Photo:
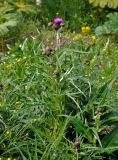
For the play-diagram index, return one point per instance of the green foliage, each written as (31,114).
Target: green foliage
(57,107)
(103,3)
(110,26)
(81,128)
(110,142)
(7,18)
(74,19)
(11,13)
(61,105)
(2,125)
(24,7)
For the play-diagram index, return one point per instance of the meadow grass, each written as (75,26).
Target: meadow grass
(57,106)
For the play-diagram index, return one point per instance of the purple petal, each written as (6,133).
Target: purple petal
(58,20)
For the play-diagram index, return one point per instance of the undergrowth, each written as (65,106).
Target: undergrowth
(61,106)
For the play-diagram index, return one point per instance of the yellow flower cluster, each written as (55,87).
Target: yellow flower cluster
(86,29)
(94,38)
(77,37)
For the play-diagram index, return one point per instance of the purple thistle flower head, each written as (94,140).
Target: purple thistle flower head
(58,20)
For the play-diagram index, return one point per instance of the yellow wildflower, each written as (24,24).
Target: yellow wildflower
(0,158)
(86,29)
(8,133)
(93,38)
(83,29)
(8,158)
(77,37)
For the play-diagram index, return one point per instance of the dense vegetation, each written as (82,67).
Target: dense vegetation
(58,103)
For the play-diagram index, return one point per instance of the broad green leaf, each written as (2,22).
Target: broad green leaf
(4,27)
(110,141)
(103,3)
(110,26)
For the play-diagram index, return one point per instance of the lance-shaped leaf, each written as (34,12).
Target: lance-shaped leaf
(110,141)
(81,128)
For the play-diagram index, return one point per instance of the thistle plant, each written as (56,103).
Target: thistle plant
(57,26)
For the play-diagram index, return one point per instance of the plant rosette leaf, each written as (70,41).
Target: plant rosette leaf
(110,141)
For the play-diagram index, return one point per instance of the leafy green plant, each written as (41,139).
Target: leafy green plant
(103,3)
(24,7)
(58,106)
(110,141)
(11,13)
(110,26)
(61,105)
(7,18)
